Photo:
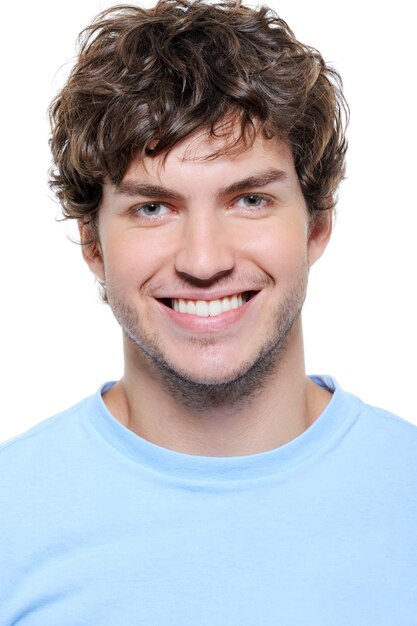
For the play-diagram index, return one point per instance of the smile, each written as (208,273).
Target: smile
(209,308)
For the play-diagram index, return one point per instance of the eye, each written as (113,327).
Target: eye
(151,210)
(253,201)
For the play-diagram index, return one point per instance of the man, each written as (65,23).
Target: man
(200,147)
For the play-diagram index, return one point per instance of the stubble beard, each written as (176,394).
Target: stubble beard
(244,383)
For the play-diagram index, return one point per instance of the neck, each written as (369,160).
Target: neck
(285,407)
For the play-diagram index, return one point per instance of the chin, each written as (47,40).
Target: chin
(200,391)
(208,371)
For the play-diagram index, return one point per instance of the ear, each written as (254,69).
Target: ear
(91,250)
(320,230)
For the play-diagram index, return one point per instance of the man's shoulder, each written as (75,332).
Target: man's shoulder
(386,421)
(368,429)
(386,441)
(373,414)
(48,435)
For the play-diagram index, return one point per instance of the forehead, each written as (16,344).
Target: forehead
(201,154)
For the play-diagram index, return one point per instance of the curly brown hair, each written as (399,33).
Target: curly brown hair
(145,79)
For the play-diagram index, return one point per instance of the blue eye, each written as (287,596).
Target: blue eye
(253,200)
(151,209)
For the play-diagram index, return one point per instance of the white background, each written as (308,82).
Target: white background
(58,343)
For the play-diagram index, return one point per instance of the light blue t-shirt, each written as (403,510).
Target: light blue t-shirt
(99,527)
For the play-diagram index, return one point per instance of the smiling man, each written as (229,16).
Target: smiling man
(200,146)
(205,265)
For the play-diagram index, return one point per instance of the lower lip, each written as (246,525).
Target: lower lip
(213,323)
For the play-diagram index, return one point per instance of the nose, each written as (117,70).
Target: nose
(205,250)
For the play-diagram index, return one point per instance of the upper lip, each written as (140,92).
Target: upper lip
(204,294)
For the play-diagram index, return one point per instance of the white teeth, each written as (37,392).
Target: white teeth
(202,308)
(190,307)
(215,307)
(208,308)
(226,304)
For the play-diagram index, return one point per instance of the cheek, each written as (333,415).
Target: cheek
(130,259)
(277,247)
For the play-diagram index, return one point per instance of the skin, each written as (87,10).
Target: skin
(211,386)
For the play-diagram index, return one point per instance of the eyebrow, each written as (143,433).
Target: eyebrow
(259,180)
(128,188)
(132,189)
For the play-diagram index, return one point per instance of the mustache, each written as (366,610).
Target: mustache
(236,281)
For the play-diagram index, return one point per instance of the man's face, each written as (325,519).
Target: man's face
(205,261)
